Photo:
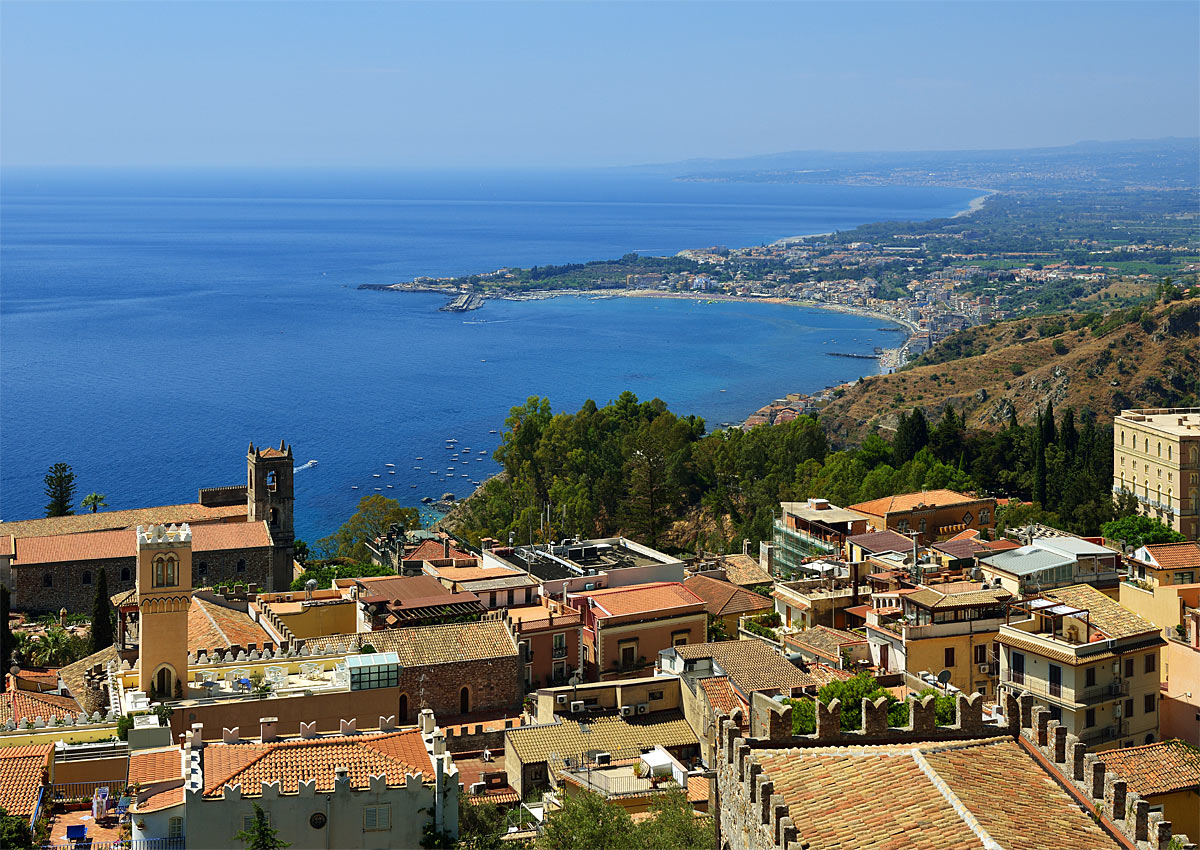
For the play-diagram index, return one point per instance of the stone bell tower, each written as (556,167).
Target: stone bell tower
(164,595)
(270,499)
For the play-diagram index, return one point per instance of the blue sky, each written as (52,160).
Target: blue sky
(563,84)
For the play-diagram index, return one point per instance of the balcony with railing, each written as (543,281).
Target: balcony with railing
(1067,697)
(558,652)
(1100,734)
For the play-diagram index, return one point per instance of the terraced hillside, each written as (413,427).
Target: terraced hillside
(1140,357)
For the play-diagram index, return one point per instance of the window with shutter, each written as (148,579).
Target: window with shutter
(377,818)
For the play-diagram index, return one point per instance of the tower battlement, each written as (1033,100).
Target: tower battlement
(161,537)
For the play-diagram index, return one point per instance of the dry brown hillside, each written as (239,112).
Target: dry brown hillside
(1129,358)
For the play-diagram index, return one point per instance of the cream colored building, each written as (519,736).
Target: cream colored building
(1093,663)
(1156,457)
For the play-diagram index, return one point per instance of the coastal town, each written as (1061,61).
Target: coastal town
(460,691)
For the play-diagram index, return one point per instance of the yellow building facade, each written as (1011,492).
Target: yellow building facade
(164,594)
(1156,457)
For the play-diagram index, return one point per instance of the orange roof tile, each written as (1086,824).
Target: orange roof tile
(908,501)
(23,771)
(219,536)
(1173,556)
(392,754)
(122,543)
(193,512)
(212,626)
(159,765)
(824,641)
(724,699)
(1156,768)
(744,570)
(882,797)
(19,706)
(641,599)
(722,598)
(162,800)
(697,789)
(271,452)
(433,550)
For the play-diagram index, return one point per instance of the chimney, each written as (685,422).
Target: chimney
(746,546)
(266,727)
(341,777)
(197,736)
(230,736)
(426,721)
(445,547)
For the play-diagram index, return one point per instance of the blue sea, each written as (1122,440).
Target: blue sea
(152,325)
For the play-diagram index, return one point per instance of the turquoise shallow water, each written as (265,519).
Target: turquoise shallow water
(153,325)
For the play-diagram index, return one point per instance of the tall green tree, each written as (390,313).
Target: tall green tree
(60,490)
(261,835)
(1137,530)
(912,435)
(94,501)
(673,824)
(374,516)
(102,612)
(587,822)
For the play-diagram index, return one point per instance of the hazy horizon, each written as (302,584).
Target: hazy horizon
(579,85)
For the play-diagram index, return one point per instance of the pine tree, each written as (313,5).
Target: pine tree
(60,490)
(912,435)
(102,629)
(260,835)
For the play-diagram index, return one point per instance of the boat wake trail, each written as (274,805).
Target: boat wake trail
(308,465)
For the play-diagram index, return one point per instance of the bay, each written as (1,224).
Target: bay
(153,324)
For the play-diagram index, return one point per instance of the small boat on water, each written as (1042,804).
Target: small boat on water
(414,486)
(389,464)
(493,431)
(377,475)
(378,489)
(451,440)
(416,467)
(391,472)
(389,486)
(353,486)
(420,458)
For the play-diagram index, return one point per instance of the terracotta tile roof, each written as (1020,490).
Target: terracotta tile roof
(968,533)
(960,549)
(404,590)
(7,545)
(157,765)
(823,674)
(908,501)
(1157,768)
(88,546)
(213,626)
(73,677)
(220,536)
(722,598)
(882,541)
(1054,653)
(271,452)
(1001,545)
(392,754)
(46,677)
(750,664)
(952,597)
(641,599)
(162,800)
(697,789)
(420,646)
(122,543)
(432,550)
(882,798)
(824,641)
(610,733)
(23,771)
(744,570)
(193,513)
(1173,556)
(724,699)
(1110,617)
(19,706)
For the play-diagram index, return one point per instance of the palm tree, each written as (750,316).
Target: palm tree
(94,501)
(57,648)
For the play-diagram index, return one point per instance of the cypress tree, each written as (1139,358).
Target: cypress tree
(1039,471)
(1068,436)
(1046,426)
(102,630)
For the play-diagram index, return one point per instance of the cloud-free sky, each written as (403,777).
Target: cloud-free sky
(458,84)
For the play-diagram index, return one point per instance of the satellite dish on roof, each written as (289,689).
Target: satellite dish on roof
(943,677)
(575,681)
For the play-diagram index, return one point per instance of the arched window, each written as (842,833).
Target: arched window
(1150,738)
(274,517)
(1160,449)
(464,701)
(271,479)
(1170,449)
(166,571)
(1122,437)
(125,574)
(47,580)
(241,565)
(202,568)
(86,578)
(402,709)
